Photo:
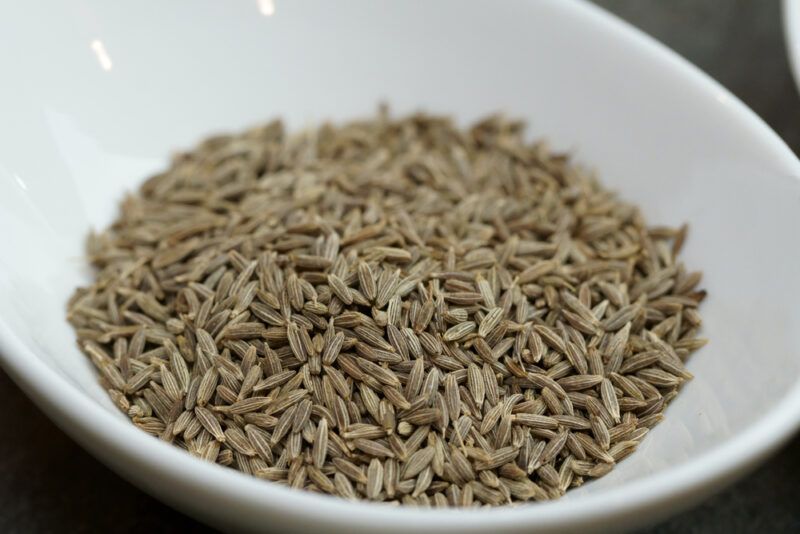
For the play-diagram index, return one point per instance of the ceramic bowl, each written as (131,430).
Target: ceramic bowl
(791,31)
(96,95)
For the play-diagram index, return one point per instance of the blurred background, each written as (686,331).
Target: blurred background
(49,484)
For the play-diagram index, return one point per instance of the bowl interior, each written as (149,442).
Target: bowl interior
(105,92)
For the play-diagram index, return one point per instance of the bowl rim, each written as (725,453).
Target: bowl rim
(790,15)
(94,426)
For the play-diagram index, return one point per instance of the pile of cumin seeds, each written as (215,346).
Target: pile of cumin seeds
(395,310)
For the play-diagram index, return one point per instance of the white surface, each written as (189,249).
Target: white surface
(791,30)
(95,94)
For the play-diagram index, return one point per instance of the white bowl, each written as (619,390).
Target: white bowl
(791,30)
(96,94)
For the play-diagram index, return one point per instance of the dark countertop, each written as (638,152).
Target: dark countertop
(49,484)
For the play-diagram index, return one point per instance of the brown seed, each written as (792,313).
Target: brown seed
(366,281)
(373,448)
(551,338)
(247,405)
(417,462)
(296,342)
(536,421)
(394,309)
(490,321)
(459,331)
(477,387)
(340,289)
(374,478)
(210,423)
(580,382)
(536,271)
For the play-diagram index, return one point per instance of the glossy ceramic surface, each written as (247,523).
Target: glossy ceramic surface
(96,94)
(791,30)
